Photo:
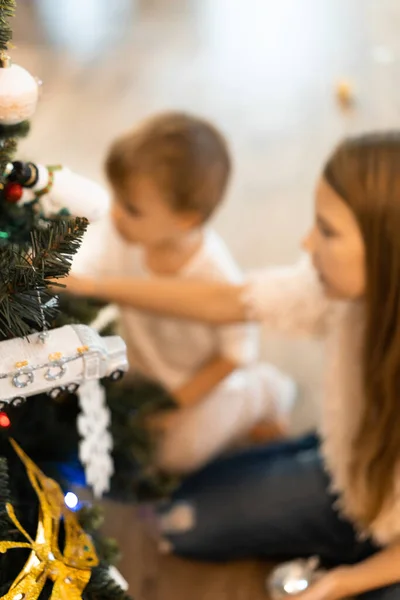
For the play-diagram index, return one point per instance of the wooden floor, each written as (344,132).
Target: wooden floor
(153,576)
(265,71)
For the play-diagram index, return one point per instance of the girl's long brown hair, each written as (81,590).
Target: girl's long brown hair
(365,172)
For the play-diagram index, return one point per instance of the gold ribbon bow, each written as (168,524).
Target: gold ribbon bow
(70,570)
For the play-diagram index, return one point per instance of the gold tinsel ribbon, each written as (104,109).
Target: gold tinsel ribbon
(70,569)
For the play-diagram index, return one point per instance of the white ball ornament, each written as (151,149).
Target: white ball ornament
(19,93)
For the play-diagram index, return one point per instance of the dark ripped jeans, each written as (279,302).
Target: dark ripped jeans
(271,502)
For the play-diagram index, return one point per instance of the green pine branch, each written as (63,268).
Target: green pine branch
(19,130)
(54,247)
(16,224)
(25,279)
(20,312)
(8,148)
(8,143)
(7,528)
(7,11)
(5,497)
(102,587)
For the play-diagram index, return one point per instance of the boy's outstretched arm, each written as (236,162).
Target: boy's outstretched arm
(286,299)
(212,302)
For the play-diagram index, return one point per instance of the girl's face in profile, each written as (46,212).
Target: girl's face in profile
(336,246)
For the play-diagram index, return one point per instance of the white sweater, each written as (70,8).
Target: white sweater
(291,300)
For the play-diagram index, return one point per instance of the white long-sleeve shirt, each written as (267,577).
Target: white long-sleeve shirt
(291,300)
(168,350)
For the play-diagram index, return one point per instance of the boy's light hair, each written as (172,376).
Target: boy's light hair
(185,156)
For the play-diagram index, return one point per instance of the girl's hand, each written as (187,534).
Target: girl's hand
(331,586)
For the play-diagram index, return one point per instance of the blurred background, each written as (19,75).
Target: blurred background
(266,71)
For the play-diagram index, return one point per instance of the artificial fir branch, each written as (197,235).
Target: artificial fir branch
(4,520)
(16,224)
(25,279)
(8,142)
(7,10)
(7,528)
(54,247)
(5,497)
(20,312)
(91,518)
(8,148)
(20,130)
(103,587)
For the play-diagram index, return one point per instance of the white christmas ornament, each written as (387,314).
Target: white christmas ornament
(67,359)
(96,443)
(19,93)
(293,578)
(60,189)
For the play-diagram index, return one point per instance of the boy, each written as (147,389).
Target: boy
(168,177)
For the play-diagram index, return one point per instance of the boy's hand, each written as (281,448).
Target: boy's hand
(79,286)
(203,381)
(159,423)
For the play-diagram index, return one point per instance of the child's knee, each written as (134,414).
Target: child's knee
(180,456)
(176,462)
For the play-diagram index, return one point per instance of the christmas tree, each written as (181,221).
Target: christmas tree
(45,549)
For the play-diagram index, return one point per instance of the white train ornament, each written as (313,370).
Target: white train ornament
(67,357)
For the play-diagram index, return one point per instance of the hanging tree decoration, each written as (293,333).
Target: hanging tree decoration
(30,194)
(19,90)
(18,95)
(34,195)
(54,191)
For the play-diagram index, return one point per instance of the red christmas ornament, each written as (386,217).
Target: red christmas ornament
(4,420)
(13,192)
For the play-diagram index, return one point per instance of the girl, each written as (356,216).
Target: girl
(337,496)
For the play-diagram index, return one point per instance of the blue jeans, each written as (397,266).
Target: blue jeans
(271,502)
